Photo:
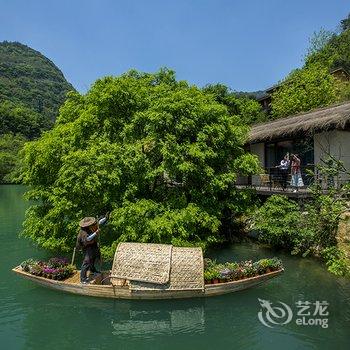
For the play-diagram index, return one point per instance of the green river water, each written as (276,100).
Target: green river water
(32,317)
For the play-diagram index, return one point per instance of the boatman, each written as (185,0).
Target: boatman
(87,241)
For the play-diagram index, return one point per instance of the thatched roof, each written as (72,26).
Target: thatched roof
(333,117)
(142,262)
(158,266)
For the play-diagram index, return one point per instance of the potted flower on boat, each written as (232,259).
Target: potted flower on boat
(233,271)
(55,268)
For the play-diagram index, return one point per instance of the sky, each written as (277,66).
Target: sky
(246,45)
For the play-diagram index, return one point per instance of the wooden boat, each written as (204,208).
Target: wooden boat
(150,271)
(107,290)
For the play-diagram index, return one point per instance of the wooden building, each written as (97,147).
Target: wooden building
(312,135)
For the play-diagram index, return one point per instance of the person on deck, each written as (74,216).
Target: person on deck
(297,180)
(87,241)
(283,167)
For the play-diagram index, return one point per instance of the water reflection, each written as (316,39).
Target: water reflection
(149,324)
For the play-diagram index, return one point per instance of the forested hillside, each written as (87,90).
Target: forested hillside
(314,85)
(32,89)
(29,78)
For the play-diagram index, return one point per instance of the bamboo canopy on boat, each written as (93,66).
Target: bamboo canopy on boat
(158,266)
(322,119)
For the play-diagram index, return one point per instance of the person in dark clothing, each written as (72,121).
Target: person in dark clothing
(87,242)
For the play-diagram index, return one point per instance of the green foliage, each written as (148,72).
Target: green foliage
(159,154)
(211,274)
(17,124)
(343,90)
(312,230)
(55,268)
(10,145)
(248,109)
(304,89)
(335,261)
(28,78)
(319,40)
(278,219)
(333,54)
(32,89)
(345,23)
(231,271)
(313,86)
(283,224)
(18,119)
(325,209)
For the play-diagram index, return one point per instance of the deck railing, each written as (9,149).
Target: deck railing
(273,178)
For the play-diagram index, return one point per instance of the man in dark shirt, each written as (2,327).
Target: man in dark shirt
(87,242)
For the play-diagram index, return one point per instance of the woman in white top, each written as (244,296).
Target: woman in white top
(284,167)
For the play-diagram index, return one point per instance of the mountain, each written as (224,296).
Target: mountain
(29,78)
(32,89)
(250,94)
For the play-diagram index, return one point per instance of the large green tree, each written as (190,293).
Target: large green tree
(161,155)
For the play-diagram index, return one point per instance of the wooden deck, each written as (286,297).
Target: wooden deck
(269,191)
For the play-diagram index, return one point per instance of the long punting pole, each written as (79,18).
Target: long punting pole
(73,256)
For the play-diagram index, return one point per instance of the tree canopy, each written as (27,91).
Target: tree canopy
(161,155)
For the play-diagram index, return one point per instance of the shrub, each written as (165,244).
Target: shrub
(313,231)
(335,261)
(278,220)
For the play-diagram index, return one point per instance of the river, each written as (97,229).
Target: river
(32,317)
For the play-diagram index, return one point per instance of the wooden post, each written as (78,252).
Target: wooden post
(73,257)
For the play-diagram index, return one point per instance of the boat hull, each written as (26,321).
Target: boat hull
(124,292)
